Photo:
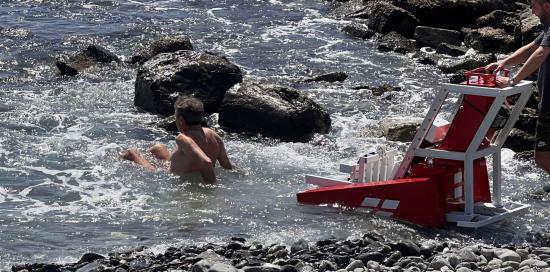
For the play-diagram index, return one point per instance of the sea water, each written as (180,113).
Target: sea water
(64,192)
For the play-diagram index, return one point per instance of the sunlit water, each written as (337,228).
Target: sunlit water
(64,192)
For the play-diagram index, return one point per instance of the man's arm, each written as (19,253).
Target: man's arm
(520,56)
(222,157)
(531,65)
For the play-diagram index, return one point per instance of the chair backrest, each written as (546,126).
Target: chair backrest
(375,167)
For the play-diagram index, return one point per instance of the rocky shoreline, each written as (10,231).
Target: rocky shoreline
(371,252)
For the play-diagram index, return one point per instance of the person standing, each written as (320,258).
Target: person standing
(534,56)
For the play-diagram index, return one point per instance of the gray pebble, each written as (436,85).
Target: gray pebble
(507,255)
(534,263)
(355,264)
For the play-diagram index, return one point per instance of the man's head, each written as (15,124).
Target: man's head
(190,110)
(541,8)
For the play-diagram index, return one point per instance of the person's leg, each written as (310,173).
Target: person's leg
(133,155)
(542,142)
(160,152)
(542,160)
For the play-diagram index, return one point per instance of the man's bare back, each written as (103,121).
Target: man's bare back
(197,148)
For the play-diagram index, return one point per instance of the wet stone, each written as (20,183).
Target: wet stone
(299,245)
(374,256)
(393,258)
(355,264)
(408,248)
(507,255)
(534,263)
(221,267)
(325,265)
(235,245)
(289,268)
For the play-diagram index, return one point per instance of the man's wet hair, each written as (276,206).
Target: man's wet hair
(190,109)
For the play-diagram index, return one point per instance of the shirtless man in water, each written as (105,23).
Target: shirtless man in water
(197,149)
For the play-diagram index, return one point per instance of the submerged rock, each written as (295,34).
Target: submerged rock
(71,65)
(329,77)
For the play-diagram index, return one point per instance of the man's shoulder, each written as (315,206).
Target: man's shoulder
(184,139)
(210,132)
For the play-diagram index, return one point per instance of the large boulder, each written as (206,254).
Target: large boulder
(272,111)
(357,30)
(490,40)
(433,37)
(452,14)
(396,42)
(164,45)
(506,20)
(386,18)
(204,75)
(72,64)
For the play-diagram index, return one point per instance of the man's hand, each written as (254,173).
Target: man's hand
(502,82)
(495,67)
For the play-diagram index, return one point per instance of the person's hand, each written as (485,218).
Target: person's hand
(502,82)
(494,67)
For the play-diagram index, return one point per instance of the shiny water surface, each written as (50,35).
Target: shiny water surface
(64,192)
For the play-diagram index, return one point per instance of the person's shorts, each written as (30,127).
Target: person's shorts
(542,134)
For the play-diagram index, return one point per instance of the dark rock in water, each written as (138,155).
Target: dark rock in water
(341,260)
(73,64)
(90,257)
(426,59)
(325,242)
(527,121)
(325,265)
(273,111)
(427,248)
(90,267)
(437,13)
(490,40)
(468,63)
(164,45)
(458,77)
(205,75)
(393,258)
(5,108)
(329,77)
(371,256)
(433,37)
(408,248)
(401,132)
(238,239)
(50,268)
(396,42)
(386,18)
(235,245)
(451,50)
(519,140)
(524,155)
(509,21)
(426,56)
(289,268)
(374,236)
(299,245)
(358,31)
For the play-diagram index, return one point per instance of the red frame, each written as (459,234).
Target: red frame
(481,77)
